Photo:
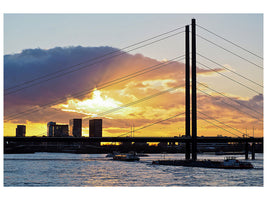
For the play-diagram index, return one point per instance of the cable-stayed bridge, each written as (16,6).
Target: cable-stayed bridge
(191,126)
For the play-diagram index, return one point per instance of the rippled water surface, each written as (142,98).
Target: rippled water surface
(61,169)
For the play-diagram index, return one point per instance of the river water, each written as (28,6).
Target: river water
(63,169)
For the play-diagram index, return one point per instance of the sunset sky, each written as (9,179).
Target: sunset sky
(42,50)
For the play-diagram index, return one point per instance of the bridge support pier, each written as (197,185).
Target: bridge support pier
(253,151)
(246,150)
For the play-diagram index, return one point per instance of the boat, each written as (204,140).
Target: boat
(126,157)
(233,163)
(227,163)
(109,155)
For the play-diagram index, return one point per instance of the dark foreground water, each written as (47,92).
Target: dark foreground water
(62,169)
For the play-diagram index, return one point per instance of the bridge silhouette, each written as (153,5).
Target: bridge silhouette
(191,139)
(135,139)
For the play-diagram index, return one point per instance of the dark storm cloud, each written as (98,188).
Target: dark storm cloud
(40,72)
(31,64)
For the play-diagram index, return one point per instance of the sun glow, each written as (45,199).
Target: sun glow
(90,107)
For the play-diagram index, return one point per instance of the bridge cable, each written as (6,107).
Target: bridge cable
(77,69)
(232,106)
(104,85)
(230,51)
(230,78)
(136,102)
(221,122)
(230,70)
(230,98)
(153,124)
(230,41)
(95,58)
(218,126)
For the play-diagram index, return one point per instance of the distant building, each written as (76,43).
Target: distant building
(50,129)
(95,128)
(20,131)
(75,127)
(60,130)
(57,130)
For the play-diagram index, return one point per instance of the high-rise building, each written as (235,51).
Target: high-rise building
(50,129)
(57,130)
(95,128)
(75,127)
(20,131)
(60,130)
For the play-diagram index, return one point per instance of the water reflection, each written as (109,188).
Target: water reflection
(59,169)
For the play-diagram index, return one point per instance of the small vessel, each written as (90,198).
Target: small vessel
(126,157)
(233,163)
(109,155)
(227,163)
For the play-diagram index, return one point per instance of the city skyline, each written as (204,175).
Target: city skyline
(50,55)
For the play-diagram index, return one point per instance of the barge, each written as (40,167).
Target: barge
(126,157)
(227,163)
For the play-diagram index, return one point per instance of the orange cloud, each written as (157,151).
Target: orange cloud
(127,88)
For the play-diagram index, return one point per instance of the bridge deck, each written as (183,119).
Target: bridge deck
(134,139)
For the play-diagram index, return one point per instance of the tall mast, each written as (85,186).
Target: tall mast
(194,93)
(187,91)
